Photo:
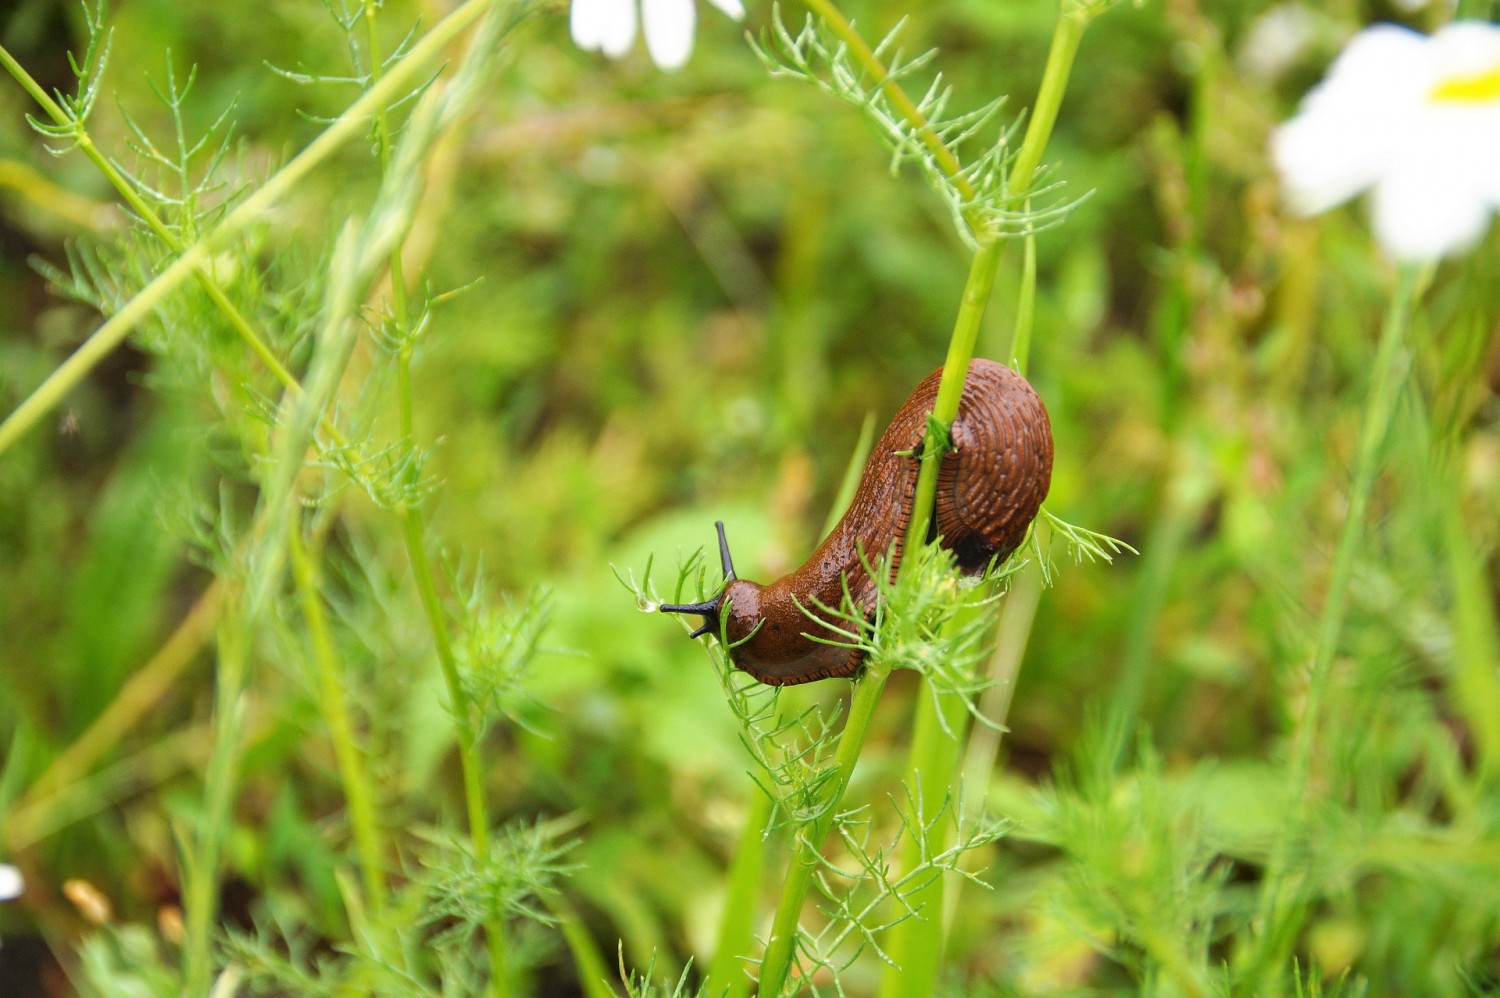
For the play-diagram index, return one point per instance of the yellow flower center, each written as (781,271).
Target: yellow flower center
(1480,88)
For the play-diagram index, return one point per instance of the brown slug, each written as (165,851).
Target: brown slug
(989,489)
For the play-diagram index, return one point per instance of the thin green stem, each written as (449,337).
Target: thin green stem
(468,740)
(201,873)
(1475,687)
(350,124)
(333,702)
(1277,921)
(1065,40)
(903,105)
(85,143)
(1188,490)
(143,692)
(1020,344)
(463,719)
(781,948)
(726,976)
(808,841)
(950,389)
(415,524)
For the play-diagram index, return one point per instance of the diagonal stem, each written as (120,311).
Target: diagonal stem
(353,122)
(85,143)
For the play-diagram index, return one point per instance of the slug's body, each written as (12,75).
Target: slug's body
(990,487)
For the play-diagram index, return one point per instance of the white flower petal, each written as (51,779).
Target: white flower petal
(606,26)
(668,26)
(1421,216)
(1352,122)
(11,884)
(584,24)
(1466,48)
(733,8)
(1325,161)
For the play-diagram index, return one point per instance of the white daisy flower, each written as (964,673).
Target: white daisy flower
(608,26)
(11,883)
(1413,119)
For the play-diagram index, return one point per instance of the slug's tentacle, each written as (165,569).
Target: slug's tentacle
(708,609)
(724,560)
(990,487)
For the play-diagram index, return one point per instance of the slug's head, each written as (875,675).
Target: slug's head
(743,598)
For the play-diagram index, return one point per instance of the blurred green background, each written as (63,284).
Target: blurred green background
(691,290)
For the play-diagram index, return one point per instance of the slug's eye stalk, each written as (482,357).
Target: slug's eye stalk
(709,609)
(724,562)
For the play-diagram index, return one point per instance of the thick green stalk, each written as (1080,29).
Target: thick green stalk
(933,767)
(1278,921)
(916,944)
(353,122)
(333,702)
(726,974)
(781,948)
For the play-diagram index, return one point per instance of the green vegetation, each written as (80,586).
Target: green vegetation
(358,352)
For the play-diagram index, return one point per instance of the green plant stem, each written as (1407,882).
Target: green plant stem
(140,694)
(780,950)
(1278,921)
(903,105)
(1020,344)
(75,210)
(808,840)
(333,702)
(971,308)
(352,123)
(468,747)
(202,857)
(933,766)
(917,943)
(416,548)
(726,975)
(1188,491)
(1475,687)
(593,972)
(1066,37)
(85,143)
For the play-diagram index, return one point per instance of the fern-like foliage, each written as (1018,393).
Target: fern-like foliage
(921,131)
